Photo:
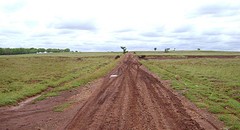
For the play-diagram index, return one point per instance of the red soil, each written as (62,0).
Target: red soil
(135,99)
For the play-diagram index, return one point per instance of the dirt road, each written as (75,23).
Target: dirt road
(129,97)
(134,99)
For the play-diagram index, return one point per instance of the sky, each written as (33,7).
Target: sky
(105,25)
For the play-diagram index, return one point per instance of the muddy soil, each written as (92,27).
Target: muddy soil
(129,97)
(41,115)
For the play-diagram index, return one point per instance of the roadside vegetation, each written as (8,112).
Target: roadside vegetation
(24,76)
(212,84)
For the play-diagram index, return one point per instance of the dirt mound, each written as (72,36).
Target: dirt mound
(129,97)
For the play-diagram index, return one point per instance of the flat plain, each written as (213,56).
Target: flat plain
(75,90)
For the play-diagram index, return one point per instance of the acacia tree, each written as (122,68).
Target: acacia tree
(155,49)
(124,49)
(166,50)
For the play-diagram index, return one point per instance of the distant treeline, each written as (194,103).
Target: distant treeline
(15,51)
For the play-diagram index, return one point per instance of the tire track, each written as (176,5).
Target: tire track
(135,99)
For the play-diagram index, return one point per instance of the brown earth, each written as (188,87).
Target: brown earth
(129,97)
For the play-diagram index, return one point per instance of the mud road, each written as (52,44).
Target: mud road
(128,98)
(135,99)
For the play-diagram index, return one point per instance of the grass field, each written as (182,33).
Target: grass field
(212,84)
(23,76)
(182,53)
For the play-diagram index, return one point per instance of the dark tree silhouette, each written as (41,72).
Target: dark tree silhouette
(166,50)
(124,49)
(15,51)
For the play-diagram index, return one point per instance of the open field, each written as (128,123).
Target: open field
(68,54)
(128,97)
(23,76)
(211,83)
(186,53)
(134,99)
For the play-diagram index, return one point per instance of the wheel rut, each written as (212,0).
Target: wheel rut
(135,99)
(128,98)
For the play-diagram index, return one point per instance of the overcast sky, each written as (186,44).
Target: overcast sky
(105,25)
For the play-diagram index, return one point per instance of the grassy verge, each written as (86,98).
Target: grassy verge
(93,72)
(212,84)
(27,75)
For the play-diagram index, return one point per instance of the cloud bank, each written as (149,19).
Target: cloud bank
(106,25)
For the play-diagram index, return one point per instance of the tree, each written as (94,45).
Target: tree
(67,50)
(155,49)
(41,49)
(198,49)
(166,50)
(15,51)
(124,49)
(49,50)
(1,51)
(32,50)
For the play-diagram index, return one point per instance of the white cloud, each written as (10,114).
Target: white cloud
(106,25)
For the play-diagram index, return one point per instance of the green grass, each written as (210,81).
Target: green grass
(68,54)
(182,53)
(24,76)
(46,95)
(212,84)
